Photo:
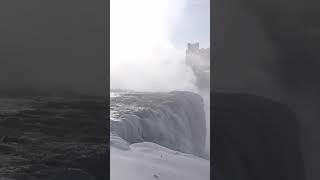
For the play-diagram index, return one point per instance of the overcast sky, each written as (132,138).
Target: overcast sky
(194,24)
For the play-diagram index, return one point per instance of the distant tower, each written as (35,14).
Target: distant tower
(193,47)
(192,53)
(199,61)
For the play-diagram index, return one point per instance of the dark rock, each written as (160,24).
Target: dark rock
(156,176)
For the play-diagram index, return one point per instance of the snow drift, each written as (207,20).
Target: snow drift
(147,161)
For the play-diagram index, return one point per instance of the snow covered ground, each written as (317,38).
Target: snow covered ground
(146,161)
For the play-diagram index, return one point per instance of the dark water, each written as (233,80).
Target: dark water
(52,137)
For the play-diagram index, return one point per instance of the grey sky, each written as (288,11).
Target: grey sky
(194,24)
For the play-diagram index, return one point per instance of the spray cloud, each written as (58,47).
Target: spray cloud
(142,55)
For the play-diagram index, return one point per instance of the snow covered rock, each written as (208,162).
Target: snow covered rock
(175,120)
